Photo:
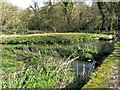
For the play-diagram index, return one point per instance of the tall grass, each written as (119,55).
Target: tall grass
(49,74)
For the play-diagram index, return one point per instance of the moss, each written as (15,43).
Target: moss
(101,78)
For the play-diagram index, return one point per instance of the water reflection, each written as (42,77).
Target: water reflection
(99,45)
(80,67)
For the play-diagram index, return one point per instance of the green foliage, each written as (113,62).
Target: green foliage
(47,74)
(88,55)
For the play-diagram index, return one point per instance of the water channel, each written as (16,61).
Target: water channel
(105,46)
(84,68)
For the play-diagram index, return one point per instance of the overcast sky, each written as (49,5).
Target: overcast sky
(21,3)
(26,3)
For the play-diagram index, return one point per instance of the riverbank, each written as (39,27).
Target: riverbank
(57,44)
(107,75)
(50,38)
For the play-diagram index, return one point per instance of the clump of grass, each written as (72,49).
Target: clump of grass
(47,74)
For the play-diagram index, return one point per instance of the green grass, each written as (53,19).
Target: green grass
(25,57)
(59,38)
(39,73)
(55,50)
(27,65)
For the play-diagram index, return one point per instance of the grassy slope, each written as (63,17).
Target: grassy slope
(101,78)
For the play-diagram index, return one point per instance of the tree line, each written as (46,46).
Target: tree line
(62,17)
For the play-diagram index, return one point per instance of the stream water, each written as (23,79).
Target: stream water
(80,66)
(84,68)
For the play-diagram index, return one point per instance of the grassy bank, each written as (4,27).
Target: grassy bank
(102,77)
(54,50)
(59,38)
(58,44)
